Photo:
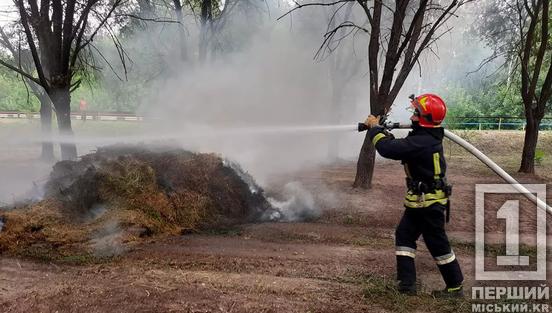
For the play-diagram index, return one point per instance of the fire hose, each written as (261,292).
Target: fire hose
(483,158)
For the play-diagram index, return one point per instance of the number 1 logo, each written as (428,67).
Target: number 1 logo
(509,211)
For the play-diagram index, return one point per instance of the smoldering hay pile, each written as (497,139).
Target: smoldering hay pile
(114,197)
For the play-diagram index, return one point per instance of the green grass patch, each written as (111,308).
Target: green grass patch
(234,231)
(382,291)
(46,254)
(493,249)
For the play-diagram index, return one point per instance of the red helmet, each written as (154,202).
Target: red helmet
(431,109)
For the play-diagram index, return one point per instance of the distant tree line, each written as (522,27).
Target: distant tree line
(56,50)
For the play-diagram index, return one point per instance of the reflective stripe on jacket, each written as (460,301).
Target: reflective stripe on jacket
(421,153)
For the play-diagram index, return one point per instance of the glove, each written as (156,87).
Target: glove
(372,121)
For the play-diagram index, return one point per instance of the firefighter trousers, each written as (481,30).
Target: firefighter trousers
(430,223)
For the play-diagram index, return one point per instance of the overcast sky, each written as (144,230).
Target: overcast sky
(7,11)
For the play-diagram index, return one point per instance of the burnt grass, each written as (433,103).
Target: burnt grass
(102,204)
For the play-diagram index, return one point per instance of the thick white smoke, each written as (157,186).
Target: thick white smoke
(258,73)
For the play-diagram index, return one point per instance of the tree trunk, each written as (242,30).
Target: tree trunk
(46,127)
(530,145)
(365,165)
(62,102)
(203,50)
(205,28)
(181,30)
(367,156)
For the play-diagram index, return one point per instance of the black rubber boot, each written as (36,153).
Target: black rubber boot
(449,293)
(406,271)
(452,274)
(409,290)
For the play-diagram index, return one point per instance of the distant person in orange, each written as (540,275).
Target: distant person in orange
(83,106)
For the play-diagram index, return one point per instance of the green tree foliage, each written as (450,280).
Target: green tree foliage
(13,94)
(496,98)
(99,96)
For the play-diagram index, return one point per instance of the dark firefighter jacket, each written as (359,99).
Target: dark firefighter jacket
(421,153)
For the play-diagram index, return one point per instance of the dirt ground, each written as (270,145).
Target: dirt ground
(341,262)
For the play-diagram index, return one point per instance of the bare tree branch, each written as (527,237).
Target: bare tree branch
(364,5)
(328,36)
(102,22)
(146,19)
(541,50)
(34,51)
(486,61)
(299,6)
(20,71)
(106,61)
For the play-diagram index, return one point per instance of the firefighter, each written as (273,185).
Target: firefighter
(426,201)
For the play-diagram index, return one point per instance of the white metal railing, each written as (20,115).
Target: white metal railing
(98,116)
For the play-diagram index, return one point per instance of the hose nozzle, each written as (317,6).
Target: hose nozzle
(387,125)
(362,127)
